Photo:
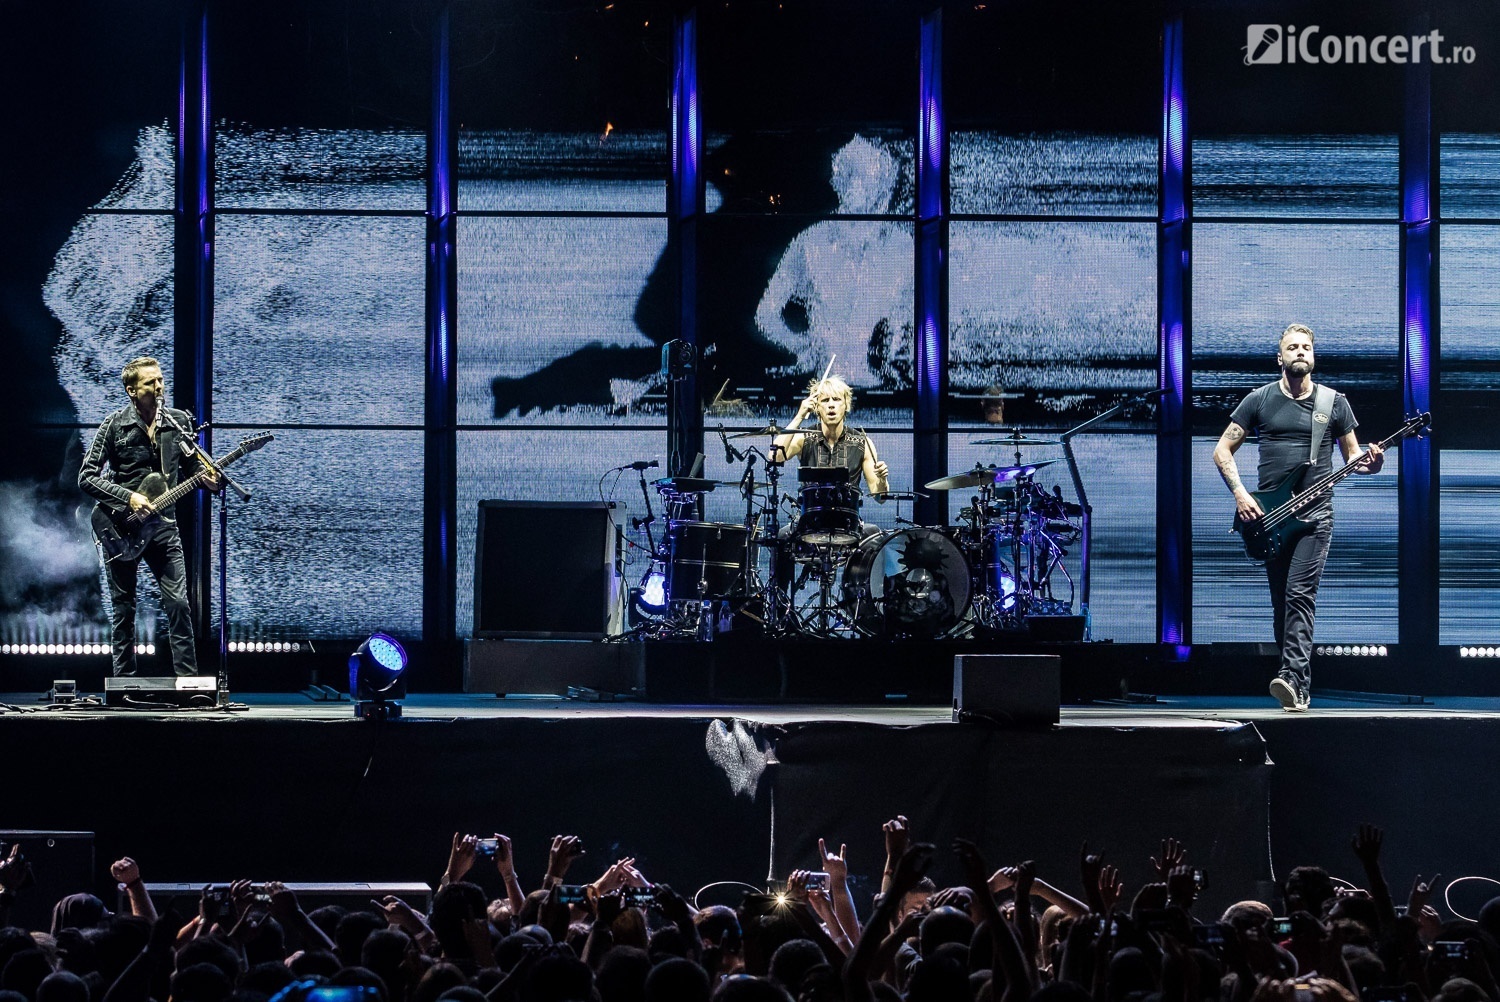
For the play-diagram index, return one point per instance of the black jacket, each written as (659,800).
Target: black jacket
(123,443)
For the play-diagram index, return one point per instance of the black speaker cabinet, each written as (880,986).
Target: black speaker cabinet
(62,863)
(1009,690)
(547,569)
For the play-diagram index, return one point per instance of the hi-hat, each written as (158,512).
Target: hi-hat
(977,477)
(1005,473)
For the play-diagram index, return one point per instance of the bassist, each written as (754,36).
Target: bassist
(1287,416)
(135,441)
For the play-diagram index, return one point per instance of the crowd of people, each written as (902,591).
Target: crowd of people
(1006,935)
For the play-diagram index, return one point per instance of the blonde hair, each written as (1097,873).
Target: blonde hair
(833,384)
(1294,329)
(132,370)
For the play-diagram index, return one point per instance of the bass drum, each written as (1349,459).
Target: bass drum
(910,583)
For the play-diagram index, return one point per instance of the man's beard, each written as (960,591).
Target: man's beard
(1299,369)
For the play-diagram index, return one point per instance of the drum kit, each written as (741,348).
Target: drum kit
(809,565)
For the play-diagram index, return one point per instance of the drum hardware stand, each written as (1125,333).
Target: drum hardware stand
(1085,575)
(825,619)
(779,618)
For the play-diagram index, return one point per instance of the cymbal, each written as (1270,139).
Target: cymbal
(981,475)
(1016,439)
(769,429)
(758,485)
(977,477)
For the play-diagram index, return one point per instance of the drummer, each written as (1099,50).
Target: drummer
(833,443)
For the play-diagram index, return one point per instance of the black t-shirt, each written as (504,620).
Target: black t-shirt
(1284,427)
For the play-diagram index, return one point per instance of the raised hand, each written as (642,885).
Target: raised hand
(633,876)
(1111,887)
(1421,891)
(1090,865)
(1002,878)
(897,833)
(1172,856)
(397,913)
(835,866)
(673,905)
(1025,878)
(505,862)
(614,877)
(952,897)
(242,895)
(460,857)
(125,871)
(565,849)
(610,906)
(284,904)
(972,860)
(1182,886)
(796,886)
(911,866)
(1366,844)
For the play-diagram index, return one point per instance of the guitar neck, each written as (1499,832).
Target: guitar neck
(194,482)
(1350,468)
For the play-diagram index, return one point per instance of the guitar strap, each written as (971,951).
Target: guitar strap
(1323,397)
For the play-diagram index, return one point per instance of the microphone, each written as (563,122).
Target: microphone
(731,454)
(638,465)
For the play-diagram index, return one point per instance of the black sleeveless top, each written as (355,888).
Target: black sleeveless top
(848,453)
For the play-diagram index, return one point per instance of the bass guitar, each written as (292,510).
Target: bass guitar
(123,533)
(1278,529)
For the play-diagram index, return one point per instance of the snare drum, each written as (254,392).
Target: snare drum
(708,561)
(829,507)
(910,583)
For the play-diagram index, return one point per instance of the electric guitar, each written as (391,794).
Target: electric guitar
(123,533)
(1278,529)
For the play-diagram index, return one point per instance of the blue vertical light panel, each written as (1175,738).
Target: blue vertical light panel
(930,285)
(1417,552)
(684,210)
(193,279)
(1174,527)
(440,446)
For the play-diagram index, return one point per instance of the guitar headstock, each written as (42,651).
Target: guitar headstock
(1420,424)
(255,442)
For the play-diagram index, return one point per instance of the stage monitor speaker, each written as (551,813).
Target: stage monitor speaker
(1007,690)
(62,863)
(547,569)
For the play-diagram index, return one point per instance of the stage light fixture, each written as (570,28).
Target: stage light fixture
(375,677)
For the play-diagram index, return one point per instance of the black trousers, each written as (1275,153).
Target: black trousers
(1294,598)
(164,556)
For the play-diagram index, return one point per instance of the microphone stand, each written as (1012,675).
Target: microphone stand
(188,443)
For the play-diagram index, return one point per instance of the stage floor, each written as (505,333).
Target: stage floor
(1165,711)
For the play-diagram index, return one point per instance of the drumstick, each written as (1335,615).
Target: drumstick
(829,369)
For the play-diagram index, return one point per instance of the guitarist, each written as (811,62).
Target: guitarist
(1284,414)
(137,440)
